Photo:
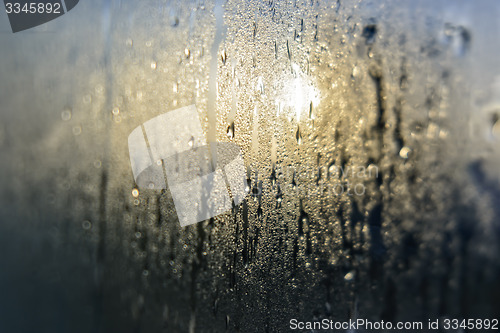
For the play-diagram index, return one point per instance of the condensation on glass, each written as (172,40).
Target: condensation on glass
(370,135)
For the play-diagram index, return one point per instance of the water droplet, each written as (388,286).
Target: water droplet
(191,141)
(129,42)
(355,72)
(298,136)
(153,64)
(230,130)
(86,225)
(349,276)
(77,130)
(369,33)
(260,85)
(273,177)
(279,197)
(99,89)
(97,164)
(458,37)
(135,193)
(223,56)
(138,235)
(66,114)
(216,306)
(115,111)
(303,220)
(174,21)
(187,53)
(403,153)
(495,129)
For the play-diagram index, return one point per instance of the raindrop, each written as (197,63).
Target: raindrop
(230,130)
(369,33)
(223,56)
(464,44)
(135,193)
(256,191)
(459,38)
(191,141)
(187,53)
(349,276)
(77,130)
(403,82)
(99,89)
(279,197)
(115,111)
(87,99)
(216,305)
(66,114)
(328,307)
(86,225)
(153,64)
(259,212)
(403,153)
(260,85)
(298,136)
(303,219)
(174,21)
(496,126)
(355,72)
(273,177)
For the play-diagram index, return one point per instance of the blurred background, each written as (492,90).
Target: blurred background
(404,95)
